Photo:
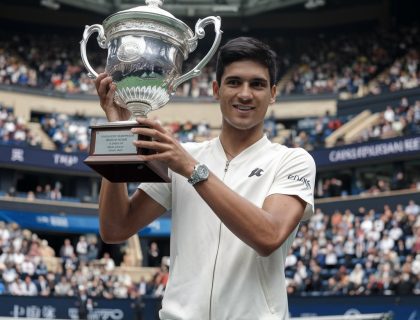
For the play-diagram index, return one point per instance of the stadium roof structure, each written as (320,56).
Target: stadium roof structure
(186,8)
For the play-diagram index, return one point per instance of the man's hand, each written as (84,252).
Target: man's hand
(106,91)
(167,148)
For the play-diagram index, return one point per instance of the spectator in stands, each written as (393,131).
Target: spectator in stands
(42,286)
(55,193)
(15,287)
(82,249)
(92,248)
(45,250)
(63,287)
(41,267)
(153,255)
(28,287)
(27,268)
(67,250)
(412,208)
(84,303)
(107,262)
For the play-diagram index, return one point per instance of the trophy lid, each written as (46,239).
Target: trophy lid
(151,11)
(153,6)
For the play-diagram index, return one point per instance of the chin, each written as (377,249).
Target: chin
(243,125)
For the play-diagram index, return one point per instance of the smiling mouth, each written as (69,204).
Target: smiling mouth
(243,108)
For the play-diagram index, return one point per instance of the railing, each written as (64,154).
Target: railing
(371,316)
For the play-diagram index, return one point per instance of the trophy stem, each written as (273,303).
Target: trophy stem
(138,109)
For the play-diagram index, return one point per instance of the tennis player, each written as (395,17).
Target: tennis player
(236,200)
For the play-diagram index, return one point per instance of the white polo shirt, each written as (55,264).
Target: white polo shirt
(214,275)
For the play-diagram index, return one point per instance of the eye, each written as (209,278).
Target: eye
(258,84)
(233,82)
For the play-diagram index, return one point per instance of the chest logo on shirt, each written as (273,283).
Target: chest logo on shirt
(305,181)
(256,172)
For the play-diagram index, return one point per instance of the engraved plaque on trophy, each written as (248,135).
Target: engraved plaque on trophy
(146,49)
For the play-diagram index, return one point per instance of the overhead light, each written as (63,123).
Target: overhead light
(50,4)
(313,4)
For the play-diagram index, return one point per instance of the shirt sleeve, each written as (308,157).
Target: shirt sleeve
(160,192)
(296,176)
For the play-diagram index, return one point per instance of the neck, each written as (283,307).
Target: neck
(235,141)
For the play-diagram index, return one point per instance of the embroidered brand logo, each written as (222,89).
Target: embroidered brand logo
(305,181)
(256,172)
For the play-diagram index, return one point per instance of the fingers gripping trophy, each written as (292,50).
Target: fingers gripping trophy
(146,49)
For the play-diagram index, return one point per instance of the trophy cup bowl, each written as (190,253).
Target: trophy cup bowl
(146,50)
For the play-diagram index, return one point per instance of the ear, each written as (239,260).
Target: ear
(216,89)
(273,94)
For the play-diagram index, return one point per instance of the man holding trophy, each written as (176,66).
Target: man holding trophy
(236,200)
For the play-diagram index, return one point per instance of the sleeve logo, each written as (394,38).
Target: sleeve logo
(305,181)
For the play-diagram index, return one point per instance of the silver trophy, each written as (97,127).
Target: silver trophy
(146,49)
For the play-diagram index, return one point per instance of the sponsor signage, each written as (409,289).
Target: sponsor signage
(363,152)
(63,308)
(73,223)
(401,307)
(43,158)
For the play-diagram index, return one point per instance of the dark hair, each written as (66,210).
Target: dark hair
(246,48)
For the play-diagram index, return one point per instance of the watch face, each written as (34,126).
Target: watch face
(202,171)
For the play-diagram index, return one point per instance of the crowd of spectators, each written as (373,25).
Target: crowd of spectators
(395,121)
(338,64)
(356,63)
(365,186)
(28,268)
(69,133)
(357,253)
(44,61)
(404,73)
(402,120)
(343,253)
(310,133)
(14,130)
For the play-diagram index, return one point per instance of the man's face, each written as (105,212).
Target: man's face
(244,94)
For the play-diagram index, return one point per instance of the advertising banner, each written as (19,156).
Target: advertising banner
(25,156)
(63,308)
(361,153)
(401,307)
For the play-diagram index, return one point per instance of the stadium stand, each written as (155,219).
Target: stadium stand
(353,65)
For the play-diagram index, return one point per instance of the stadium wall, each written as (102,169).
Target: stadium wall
(402,307)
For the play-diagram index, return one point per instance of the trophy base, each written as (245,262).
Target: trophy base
(113,155)
(128,169)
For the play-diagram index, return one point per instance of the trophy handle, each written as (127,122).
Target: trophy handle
(101,41)
(199,34)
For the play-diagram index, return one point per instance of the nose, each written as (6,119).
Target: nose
(245,92)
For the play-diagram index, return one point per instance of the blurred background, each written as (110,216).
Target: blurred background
(349,93)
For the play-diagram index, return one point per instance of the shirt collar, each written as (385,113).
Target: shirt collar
(252,149)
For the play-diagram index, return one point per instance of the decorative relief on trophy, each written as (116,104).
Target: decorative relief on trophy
(146,49)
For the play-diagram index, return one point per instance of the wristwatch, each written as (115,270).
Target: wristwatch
(200,173)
